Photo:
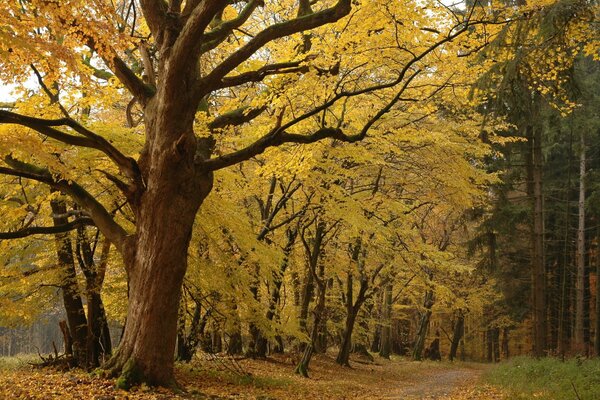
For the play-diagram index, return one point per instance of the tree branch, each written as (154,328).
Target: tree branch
(278,136)
(276,31)
(127,165)
(259,74)
(46,230)
(155,13)
(215,37)
(235,117)
(191,38)
(101,217)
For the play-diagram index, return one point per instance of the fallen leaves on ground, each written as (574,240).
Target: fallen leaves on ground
(228,378)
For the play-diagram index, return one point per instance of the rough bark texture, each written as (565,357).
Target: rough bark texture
(165,215)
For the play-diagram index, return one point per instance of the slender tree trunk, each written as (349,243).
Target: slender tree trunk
(313,251)
(307,294)
(76,319)
(505,341)
(580,280)
(562,312)
(376,341)
(535,164)
(302,367)
(386,328)
(352,307)
(597,337)
(423,326)
(459,329)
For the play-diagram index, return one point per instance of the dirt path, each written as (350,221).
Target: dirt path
(440,384)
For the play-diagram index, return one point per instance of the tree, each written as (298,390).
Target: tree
(192,60)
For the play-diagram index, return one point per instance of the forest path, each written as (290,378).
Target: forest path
(439,383)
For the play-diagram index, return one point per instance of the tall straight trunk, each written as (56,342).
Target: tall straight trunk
(386,328)
(562,312)
(98,337)
(76,319)
(535,189)
(306,297)
(597,337)
(423,326)
(580,280)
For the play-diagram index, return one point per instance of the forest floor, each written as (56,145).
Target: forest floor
(218,378)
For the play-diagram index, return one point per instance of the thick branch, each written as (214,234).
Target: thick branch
(276,31)
(46,230)
(155,13)
(102,219)
(215,37)
(127,165)
(190,39)
(259,74)
(235,117)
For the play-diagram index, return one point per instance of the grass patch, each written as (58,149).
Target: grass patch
(228,377)
(548,378)
(18,361)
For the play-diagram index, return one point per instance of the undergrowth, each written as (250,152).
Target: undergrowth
(547,378)
(18,361)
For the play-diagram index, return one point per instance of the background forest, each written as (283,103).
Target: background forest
(445,204)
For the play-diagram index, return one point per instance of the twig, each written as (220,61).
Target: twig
(575,389)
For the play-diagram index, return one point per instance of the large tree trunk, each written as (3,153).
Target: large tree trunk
(157,257)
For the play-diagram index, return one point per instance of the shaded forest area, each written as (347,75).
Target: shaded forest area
(248,179)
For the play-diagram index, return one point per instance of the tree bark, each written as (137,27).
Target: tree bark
(352,306)
(459,330)
(423,326)
(386,328)
(562,312)
(597,337)
(76,319)
(580,281)
(535,175)
(157,260)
